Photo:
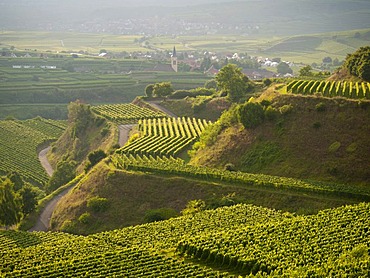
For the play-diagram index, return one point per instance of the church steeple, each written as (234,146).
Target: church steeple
(174,59)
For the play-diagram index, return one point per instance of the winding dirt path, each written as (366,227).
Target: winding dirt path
(124,133)
(156,104)
(45,162)
(43,223)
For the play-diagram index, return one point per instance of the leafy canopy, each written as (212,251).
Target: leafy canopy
(232,82)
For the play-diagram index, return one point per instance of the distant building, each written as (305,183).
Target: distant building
(174,60)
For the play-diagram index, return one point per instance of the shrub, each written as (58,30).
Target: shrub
(271,113)
(98,204)
(251,115)
(193,207)
(230,167)
(320,107)
(67,226)
(94,157)
(267,82)
(285,109)
(160,214)
(104,131)
(84,218)
(316,125)
(334,147)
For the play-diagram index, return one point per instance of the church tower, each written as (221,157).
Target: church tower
(174,60)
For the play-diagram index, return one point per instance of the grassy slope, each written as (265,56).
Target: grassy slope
(300,143)
(131,194)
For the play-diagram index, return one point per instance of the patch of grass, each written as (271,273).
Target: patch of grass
(261,155)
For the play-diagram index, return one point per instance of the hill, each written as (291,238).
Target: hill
(19,143)
(134,197)
(306,137)
(240,240)
(266,17)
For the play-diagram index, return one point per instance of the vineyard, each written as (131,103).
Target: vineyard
(18,144)
(229,241)
(175,166)
(126,113)
(165,136)
(353,90)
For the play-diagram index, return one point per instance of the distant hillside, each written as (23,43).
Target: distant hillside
(283,17)
(308,137)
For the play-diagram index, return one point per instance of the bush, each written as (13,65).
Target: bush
(84,218)
(334,147)
(160,214)
(104,131)
(230,167)
(98,204)
(251,115)
(94,157)
(316,125)
(271,113)
(285,109)
(267,82)
(320,107)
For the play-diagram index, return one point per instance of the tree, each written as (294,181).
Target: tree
(162,89)
(10,212)
(327,60)
(65,172)
(232,82)
(149,90)
(206,64)
(357,63)
(305,71)
(16,179)
(29,199)
(283,68)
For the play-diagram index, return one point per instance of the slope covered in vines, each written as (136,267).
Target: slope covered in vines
(19,141)
(238,240)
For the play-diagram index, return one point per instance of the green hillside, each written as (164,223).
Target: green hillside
(19,143)
(239,240)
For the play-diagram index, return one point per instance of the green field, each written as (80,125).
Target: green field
(68,42)
(305,49)
(92,80)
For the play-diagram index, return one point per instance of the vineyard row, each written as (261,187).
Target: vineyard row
(354,90)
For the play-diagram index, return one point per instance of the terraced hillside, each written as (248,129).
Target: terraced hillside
(238,240)
(352,90)
(167,136)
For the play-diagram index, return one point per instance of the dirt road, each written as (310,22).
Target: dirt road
(43,223)
(44,161)
(124,133)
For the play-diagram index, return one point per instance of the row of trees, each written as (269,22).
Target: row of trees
(230,82)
